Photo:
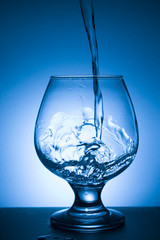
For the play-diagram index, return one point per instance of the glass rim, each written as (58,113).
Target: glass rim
(85,76)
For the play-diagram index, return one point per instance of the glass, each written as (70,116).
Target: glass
(66,143)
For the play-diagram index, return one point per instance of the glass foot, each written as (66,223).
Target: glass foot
(112,219)
(88,213)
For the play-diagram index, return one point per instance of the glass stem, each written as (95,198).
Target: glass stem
(87,202)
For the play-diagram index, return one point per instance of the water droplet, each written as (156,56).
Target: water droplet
(43,237)
(69,238)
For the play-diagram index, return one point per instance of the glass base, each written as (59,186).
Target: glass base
(87,213)
(88,222)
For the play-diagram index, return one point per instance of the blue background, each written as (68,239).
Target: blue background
(43,38)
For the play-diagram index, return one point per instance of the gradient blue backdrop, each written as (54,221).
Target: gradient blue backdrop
(43,38)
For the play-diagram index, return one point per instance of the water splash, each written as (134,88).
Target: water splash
(71,149)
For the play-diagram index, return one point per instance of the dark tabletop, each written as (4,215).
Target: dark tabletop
(34,223)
